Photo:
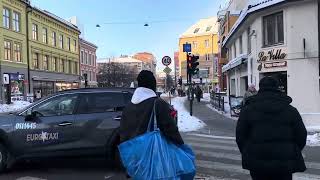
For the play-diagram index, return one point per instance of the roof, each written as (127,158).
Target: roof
(120,60)
(88,43)
(206,26)
(253,6)
(57,18)
(84,90)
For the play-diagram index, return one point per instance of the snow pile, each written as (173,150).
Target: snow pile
(313,128)
(313,140)
(186,123)
(206,97)
(15,106)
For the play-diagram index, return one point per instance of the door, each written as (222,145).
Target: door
(49,131)
(97,117)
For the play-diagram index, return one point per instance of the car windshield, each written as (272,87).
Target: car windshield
(160,89)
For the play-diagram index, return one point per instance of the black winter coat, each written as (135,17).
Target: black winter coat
(271,135)
(135,119)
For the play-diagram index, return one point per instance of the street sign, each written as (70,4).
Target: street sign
(167,70)
(166,60)
(6,79)
(186,47)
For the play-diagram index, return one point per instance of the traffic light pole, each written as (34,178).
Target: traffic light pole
(189,83)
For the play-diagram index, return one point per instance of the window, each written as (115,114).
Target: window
(207,57)
(101,103)
(82,57)
(240,41)
(69,43)
(45,62)
(54,63)
(44,35)
(273,29)
(7,50)
(86,58)
(61,41)
(61,65)
(206,43)
(89,59)
(208,69)
(249,39)
(16,21)
(17,52)
(235,50)
(75,45)
(208,28)
(75,68)
(70,67)
(36,60)
(54,39)
(196,30)
(195,44)
(58,106)
(34,32)
(6,18)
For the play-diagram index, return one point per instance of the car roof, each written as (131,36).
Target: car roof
(92,90)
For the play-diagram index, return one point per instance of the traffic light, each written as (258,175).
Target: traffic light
(193,64)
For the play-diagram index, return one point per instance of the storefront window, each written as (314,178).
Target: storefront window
(43,88)
(61,86)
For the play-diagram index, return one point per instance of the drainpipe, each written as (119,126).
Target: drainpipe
(29,9)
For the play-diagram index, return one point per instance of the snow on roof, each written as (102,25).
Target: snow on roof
(202,27)
(253,5)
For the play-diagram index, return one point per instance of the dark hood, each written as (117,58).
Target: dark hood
(269,101)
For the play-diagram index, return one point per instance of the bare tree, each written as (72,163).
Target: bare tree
(115,75)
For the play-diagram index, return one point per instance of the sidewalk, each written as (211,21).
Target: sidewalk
(217,124)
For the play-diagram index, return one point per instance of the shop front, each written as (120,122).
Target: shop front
(14,87)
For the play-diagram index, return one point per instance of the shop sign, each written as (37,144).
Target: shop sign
(275,64)
(271,55)
(6,79)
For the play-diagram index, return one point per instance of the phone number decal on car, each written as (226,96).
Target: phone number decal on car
(26,126)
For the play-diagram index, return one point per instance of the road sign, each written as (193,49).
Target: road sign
(186,47)
(167,70)
(166,60)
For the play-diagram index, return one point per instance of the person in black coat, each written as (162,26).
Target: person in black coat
(270,134)
(136,115)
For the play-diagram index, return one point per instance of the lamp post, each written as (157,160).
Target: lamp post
(29,9)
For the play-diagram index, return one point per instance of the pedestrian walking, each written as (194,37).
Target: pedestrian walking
(198,93)
(136,115)
(270,134)
(250,92)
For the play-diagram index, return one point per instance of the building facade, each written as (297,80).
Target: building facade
(148,58)
(281,39)
(13,60)
(88,63)
(53,53)
(203,37)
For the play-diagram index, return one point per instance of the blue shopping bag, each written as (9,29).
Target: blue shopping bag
(151,156)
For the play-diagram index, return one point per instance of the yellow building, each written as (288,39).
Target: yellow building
(203,37)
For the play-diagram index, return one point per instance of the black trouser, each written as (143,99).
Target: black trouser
(271,176)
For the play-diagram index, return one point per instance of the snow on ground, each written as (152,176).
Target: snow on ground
(186,123)
(15,106)
(313,140)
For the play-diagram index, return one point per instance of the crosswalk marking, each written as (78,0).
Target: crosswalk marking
(195,139)
(214,148)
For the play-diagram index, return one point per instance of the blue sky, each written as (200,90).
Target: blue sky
(116,39)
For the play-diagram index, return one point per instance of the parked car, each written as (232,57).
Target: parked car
(80,122)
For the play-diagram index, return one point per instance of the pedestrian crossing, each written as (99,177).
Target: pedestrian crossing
(220,158)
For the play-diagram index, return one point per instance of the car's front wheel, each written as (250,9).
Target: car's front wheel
(3,158)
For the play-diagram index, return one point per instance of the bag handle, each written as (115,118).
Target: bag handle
(153,118)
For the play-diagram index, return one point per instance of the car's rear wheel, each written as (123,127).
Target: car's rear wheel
(3,158)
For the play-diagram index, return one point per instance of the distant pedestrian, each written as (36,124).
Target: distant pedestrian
(271,135)
(198,93)
(250,92)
